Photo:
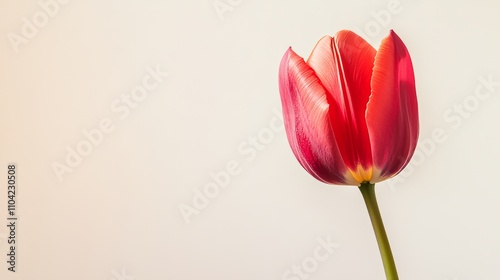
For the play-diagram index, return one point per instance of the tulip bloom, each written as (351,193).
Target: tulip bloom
(351,116)
(350,111)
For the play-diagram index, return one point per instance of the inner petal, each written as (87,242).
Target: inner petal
(344,65)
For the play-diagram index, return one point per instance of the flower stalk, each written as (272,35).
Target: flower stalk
(368,191)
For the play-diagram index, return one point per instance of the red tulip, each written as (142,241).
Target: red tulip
(350,111)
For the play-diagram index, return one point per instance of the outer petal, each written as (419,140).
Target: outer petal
(344,65)
(307,124)
(392,112)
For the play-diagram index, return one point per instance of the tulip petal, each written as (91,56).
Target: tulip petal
(344,65)
(306,117)
(392,111)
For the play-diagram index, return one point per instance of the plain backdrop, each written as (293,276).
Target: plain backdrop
(123,115)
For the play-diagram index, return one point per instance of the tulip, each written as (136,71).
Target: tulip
(351,115)
(350,112)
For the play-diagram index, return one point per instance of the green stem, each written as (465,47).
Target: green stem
(368,191)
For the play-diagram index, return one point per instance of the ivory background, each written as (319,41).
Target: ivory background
(116,215)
